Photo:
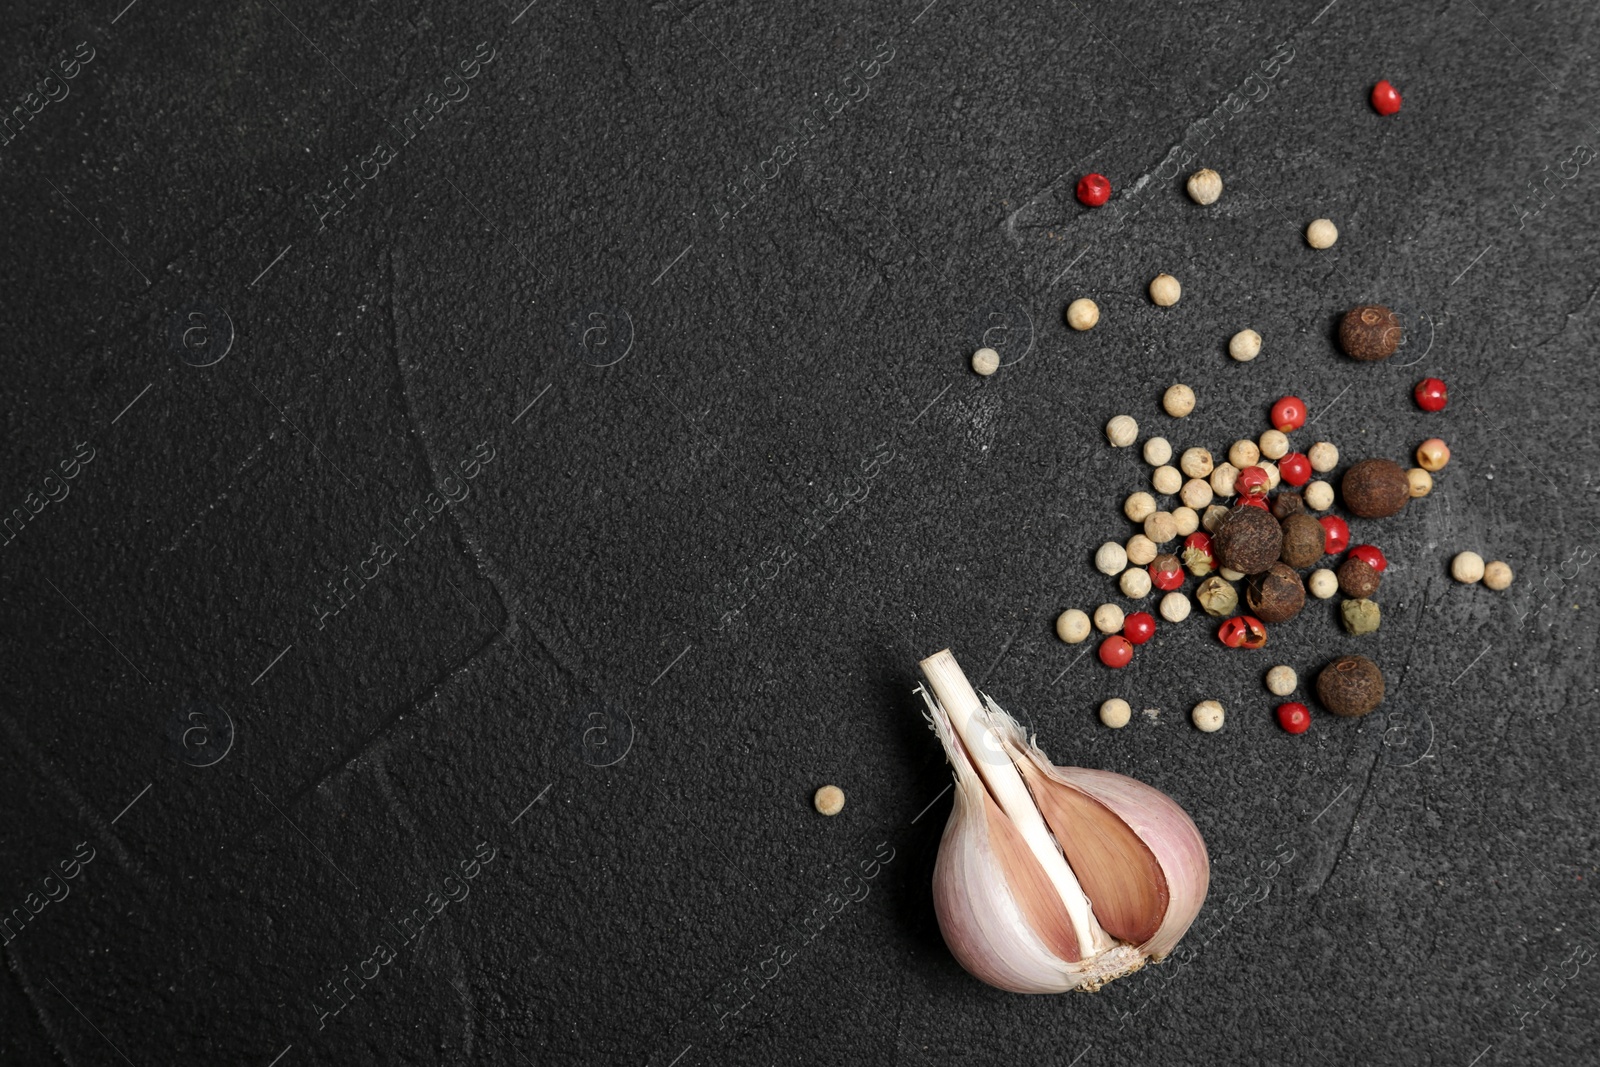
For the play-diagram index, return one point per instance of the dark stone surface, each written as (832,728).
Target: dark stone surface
(690,583)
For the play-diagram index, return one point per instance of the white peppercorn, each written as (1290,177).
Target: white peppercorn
(1141,550)
(1322,233)
(1083,313)
(985,361)
(1323,456)
(1166,480)
(1213,518)
(1420,481)
(1161,527)
(1224,479)
(1281,680)
(1072,626)
(1274,476)
(1497,576)
(1230,574)
(1135,583)
(829,800)
(1204,186)
(1196,462)
(1111,559)
(1165,290)
(1274,444)
(1243,453)
(1115,713)
(1178,400)
(1322,584)
(1467,567)
(1185,520)
(1175,606)
(1157,451)
(1207,716)
(1244,345)
(1122,431)
(1108,619)
(1139,507)
(1318,496)
(1196,493)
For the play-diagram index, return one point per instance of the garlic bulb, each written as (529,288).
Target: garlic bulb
(1052,878)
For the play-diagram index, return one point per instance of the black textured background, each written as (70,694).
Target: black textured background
(687,587)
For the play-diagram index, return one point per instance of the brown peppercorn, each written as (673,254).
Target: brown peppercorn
(1248,540)
(1369,332)
(1350,686)
(1375,488)
(1275,595)
(1357,578)
(1287,503)
(1303,540)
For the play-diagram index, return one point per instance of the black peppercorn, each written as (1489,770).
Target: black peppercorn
(1375,488)
(1303,540)
(1358,579)
(1369,332)
(1248,540)
(1276,594)
(1287,503)
(1350,686)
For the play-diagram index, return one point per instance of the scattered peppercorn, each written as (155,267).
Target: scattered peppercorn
(1111,558)
(1217,597)
(1322,233)
(1139,507)
(1322,584)
(1357,579)
(1166,480)
(1419,481)
(829,800)
(1166,573)
(1252,481)
(1249,540)
(1134,583)
(1175,607)
(1336,534)
(1116,652)
(1139,627)
(1274,476)
(1287,503)
(1294,718)
(1370,332)
(1157,451)
(1108,618)
(1432,455)
(1196,493)
(1207,716)
(1497,576)
(1289,413)
(1083,314)
(1350,686)
(1243,453)
(1115,713)
(1244,345)
(1072,626)
(1372,555)
(1197,555)
(1281,680)
(1196,462)
(1242,631)
(1254,502)
(1318,496)
(1213,517)
(1295,469)
(1122,431)
(1303,541)
(1185,520)
(1274,444)
(1178,400)
(1276,594)
(1165,290)
(985,361)
(1375,488)
(1385,98)
(1205,186)
(1360,616)
(1161,527)
(1141,550)
(1094,190)
(1467,567)
(1323,456)
(1432,394)
(1224,479)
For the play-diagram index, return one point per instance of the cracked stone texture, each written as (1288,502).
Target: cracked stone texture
(731,479)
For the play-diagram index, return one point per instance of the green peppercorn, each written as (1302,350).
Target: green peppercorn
(1360,616)
(1217,597)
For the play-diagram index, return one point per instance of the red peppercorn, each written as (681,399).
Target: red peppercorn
(1139,627)
(1252,481)
(1385,98)
(1094,189)
(1295,469)
(1166,573)
(1198,555)
(1432,394)
(1336,534)
(1294,718)
(1289,413)
(1116,652)
(1242,631)
(1255,502)
(1371,555)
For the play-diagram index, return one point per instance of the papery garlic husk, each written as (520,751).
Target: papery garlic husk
(1052,878)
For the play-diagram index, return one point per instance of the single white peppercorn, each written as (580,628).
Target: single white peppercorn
(1139,507)
(1161,527)
(1420,481)
(985,361)
(1122,431)
(1223,479)
(1214,517)
(1083,314)
(1467,567)
(1185,520)
(1108,619)
(1322,584)
(1322,233)
(1166,480)
(1157,451)
(1274,476)
(1178,400)
(1323,456)
(1072,626)
(1281,680)
(1115,713)
(1274,444)
(1318,496)
(1497,576)
(1175,606)
(1196,462)
(1111,559)
(1196,493)
(1141,550)
(1230,574)
(829,800)
(1165,290)
(1135,583)
(1207,716)
(1204,186)
(1244,454)
(1244,345)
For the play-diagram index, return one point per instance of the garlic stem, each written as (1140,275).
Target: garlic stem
(1010,792)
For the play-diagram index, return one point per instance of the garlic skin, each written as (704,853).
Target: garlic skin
(1051,878)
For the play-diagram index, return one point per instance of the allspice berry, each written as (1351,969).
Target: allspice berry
(1360,616)
(1275,595)
(1369,332)
(1375,488)
(1357,578)
(1303,541)
(1287,503)
(1248,541)
(1350,686)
